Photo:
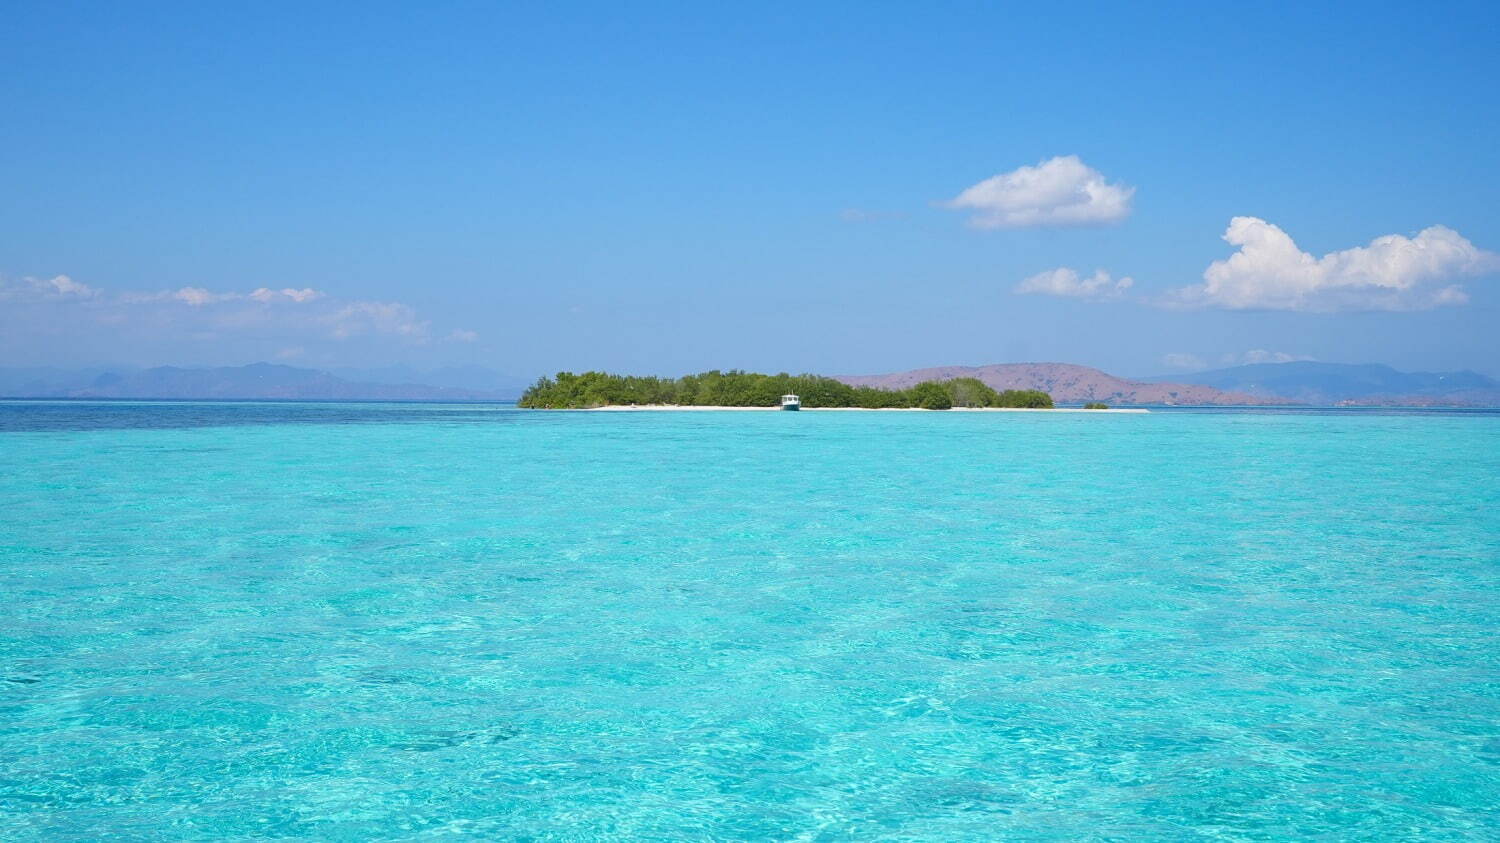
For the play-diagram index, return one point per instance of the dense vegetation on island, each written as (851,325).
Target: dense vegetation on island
(569,391)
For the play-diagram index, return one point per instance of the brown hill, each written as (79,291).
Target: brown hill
(1066,383)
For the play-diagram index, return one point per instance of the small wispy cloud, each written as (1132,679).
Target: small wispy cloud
(1187,362)
(56,288)
(1260,355)
(289,316)
(306,294)
(1184,362)
(1394,272)
(1061,191)
(198,297)
(202,297)
(377,317)
(1066,282)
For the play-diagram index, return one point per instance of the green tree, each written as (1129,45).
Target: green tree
(931,395)
(1030,399)
(971,392)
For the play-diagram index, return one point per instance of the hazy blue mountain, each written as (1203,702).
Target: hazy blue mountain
(43,381)
(1307,382)
(471,377)
(258,380)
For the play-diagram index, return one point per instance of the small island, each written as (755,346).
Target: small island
(597,390)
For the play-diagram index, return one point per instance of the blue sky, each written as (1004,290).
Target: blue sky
(674,187)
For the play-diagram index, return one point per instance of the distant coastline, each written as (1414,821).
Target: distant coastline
(1300,383)
(1297,383)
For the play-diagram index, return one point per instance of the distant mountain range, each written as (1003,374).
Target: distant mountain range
(256,381)
(1067,383)
(1324,384)
(1307,382)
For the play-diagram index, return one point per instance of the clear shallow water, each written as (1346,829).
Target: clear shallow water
(355,622)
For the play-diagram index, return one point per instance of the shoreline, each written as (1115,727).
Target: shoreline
(643,408)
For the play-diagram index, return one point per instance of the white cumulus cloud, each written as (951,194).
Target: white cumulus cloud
(1067,283)
(1060,191)
(1269,272)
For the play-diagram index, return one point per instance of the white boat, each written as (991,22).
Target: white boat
(791,402)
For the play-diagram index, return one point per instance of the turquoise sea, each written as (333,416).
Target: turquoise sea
(357,622)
